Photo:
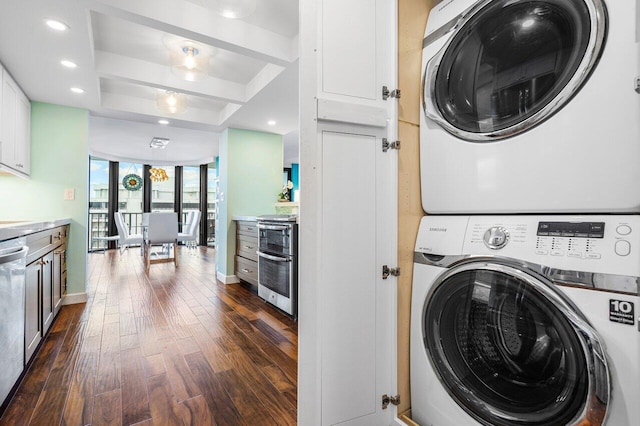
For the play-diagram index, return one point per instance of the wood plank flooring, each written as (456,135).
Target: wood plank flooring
(174,347)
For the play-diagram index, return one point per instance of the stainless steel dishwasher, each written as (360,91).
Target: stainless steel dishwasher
(13,259)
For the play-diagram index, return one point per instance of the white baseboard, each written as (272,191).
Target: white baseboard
(227,279)
(72,299)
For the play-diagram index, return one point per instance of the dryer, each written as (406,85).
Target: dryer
(526,320)
(531,106)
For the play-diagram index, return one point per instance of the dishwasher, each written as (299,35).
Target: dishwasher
(13,259)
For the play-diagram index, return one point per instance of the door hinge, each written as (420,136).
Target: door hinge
(386,145)
(386,400)
(386,93)
(386,271)
(637,84)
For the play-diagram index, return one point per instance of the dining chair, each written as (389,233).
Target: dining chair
(162,229)
(190,236)
(125,239)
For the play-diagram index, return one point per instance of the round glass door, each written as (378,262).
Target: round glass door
(510,351)
(511,64)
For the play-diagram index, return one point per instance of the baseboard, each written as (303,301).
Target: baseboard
(227,279)
(73,298)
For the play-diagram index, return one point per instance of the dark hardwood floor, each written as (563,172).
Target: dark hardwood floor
(171,348)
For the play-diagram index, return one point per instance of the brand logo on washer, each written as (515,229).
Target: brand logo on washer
(437,229)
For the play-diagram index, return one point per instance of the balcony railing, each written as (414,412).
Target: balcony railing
(98,227)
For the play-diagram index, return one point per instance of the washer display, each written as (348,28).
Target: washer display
(524,335)
(530,106)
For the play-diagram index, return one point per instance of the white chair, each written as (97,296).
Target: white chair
(162,229)
(125,239)
(190,236)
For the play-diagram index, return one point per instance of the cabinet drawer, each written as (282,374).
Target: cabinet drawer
(247,246)
(39,244)
(247,228)
(247,270)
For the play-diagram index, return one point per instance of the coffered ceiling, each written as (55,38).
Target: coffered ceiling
(125,49)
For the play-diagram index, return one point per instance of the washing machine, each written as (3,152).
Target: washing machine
(531,106)
(526,320)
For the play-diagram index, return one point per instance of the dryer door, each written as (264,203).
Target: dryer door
(511,64)
(511,350)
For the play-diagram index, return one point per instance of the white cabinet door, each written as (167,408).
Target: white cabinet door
(356,51)
(356,302)
(9,114)
(23,134)
(15,134)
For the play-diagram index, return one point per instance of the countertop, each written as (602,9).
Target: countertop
(15,229)
(246,218)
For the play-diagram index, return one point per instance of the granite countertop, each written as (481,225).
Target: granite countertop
(246,218)
(15,229)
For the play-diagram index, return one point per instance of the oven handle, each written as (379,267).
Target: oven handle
(274,258)
(274,227)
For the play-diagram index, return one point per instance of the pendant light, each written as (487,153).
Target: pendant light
(171,102)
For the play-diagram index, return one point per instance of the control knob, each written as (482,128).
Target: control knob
(496,237)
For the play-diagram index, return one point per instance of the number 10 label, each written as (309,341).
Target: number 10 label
(621,311)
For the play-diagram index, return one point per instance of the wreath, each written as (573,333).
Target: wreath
(132,182)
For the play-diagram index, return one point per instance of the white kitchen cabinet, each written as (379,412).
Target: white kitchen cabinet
(15,131)
(348,212)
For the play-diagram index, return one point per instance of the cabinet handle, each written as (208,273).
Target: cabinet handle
(57,237)
(246,271)
(248,247)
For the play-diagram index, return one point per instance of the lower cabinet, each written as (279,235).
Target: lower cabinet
(32,324)
(246,248)
(46,277)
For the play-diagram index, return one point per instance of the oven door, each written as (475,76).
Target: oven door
(274,273)
(275,238)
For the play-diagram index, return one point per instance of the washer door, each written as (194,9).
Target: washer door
(511,64)
(510,350)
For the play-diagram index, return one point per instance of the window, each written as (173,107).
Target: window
(130,195)
(190,191)
(212,203)
(98,202)
(163,193)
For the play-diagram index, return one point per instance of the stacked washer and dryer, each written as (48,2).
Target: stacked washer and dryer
(527,267)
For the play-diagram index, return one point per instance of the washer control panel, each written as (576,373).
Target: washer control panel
(590,243)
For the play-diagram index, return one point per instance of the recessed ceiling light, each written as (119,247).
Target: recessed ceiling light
(68,64)
(163,121)
(56,25)
(77,90)
(271,122)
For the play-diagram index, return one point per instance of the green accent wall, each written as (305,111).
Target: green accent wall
(250,171)
(59,160)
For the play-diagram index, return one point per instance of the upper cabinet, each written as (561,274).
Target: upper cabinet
(15,128)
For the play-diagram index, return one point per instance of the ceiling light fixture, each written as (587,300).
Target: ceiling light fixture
(77,90)
(56,25)
(171,102)
(159,143)
(163,121)
(68,64)
(232,9)
(190,62)
(271,122)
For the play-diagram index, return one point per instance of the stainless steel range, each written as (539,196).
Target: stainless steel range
(278,261)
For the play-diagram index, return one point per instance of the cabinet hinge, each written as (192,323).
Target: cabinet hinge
(637,84)
(386,93)
(386,400)
(386,145)
(386,271)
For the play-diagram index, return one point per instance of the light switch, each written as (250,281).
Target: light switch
(69,194)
